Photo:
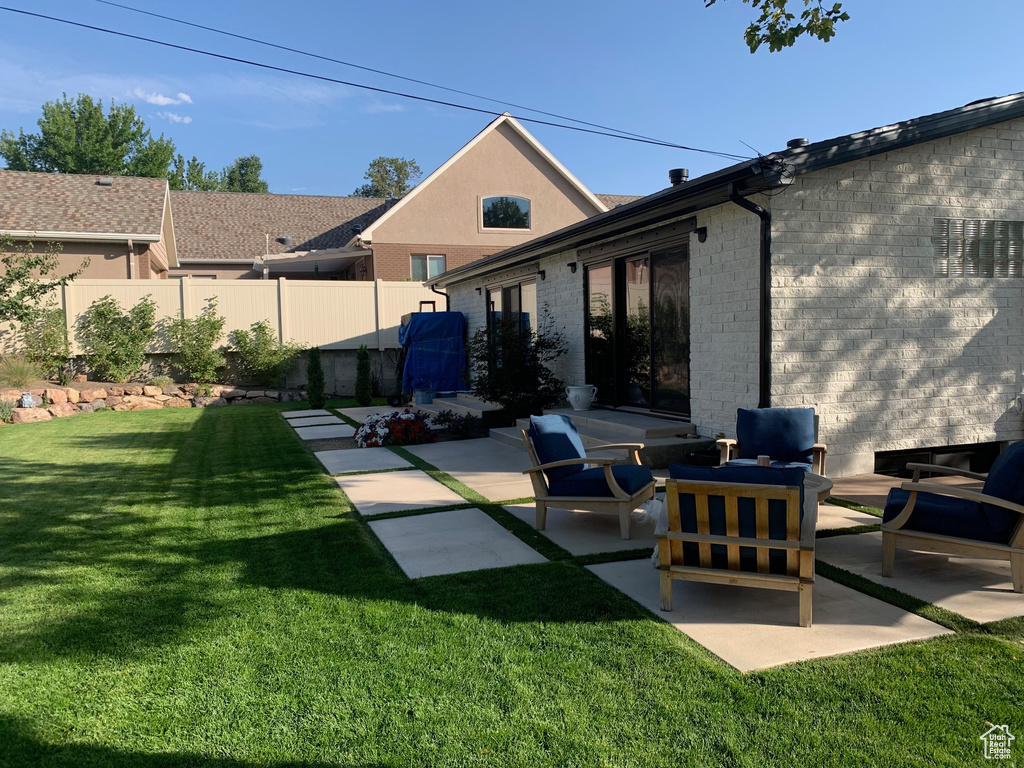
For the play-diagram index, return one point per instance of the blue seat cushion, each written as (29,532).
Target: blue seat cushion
(785,434)
(1005,481)
(944,515)
(789,476)
(555,439)
(774,464)
(591,482)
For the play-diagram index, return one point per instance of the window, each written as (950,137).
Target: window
(425,266)
(978,248)
(506,213)
(511,309)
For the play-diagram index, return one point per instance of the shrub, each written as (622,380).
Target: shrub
(18,371)
(46,341)
(194,339)
(262,358)
(461,426)
(364,381)
(161,381)
(511,367)
(115,341)
(399,428)
(316,386)
(7,411)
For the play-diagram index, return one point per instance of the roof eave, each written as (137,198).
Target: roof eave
(96,237)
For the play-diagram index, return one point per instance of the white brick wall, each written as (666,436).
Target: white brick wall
(891,357)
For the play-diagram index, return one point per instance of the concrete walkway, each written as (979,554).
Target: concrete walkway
(748,628)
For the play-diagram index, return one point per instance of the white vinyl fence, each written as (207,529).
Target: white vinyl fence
(325,313)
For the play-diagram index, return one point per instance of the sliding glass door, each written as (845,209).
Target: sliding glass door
(638,340)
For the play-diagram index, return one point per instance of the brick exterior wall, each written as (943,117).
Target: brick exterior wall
(890,356)
(394,260)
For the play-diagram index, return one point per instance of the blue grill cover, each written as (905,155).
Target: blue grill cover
(435,356)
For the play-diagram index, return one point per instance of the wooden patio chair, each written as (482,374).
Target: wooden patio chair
(561,479)
(745,526)
(989,524)
(787,435)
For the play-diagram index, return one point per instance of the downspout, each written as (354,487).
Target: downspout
(447,301)
(131,260)
(765,309)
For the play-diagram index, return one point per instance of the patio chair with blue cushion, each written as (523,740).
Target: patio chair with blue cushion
(746,526)
(787,435)
(989,524)
(562,479)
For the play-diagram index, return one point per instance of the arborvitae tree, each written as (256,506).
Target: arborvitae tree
(316,387)
(364,383)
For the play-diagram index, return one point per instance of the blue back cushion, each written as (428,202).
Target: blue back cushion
(1005,481)
(746,509)
(785,434)
(555,439)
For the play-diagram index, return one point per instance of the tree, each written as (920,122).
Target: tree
(22,273)
(193,176)
(243,175)
(316,383)
(77,137)
(364,382)
(775,25)
(389,177)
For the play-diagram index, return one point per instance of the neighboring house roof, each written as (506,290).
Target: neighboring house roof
(614,201)
(83,207)
(746,178)
(505,119)
(245,227)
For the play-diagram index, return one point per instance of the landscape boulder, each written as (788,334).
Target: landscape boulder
(29,415)
(62,410)
(209,402)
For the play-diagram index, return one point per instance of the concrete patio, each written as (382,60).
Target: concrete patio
(748,628)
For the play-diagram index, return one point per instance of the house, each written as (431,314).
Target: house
(878,277)
(501,189)
(122,224)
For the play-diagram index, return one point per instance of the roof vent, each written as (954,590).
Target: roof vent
(285,240)
(357,230)
(797,143)
(678,176)
(105,181)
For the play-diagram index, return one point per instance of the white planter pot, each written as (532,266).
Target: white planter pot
(581,397)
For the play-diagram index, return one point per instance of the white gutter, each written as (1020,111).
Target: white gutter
(106,237)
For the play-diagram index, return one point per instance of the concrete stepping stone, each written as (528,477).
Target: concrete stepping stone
(325,432)
(754,629)
(396,492)
(451,542)
(303,414)
(831,516)
(492,469)
(981,590)
(316,421)
(587,533)
(360,460)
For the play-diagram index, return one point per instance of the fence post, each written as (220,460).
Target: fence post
(66,292)
(376,310)
(282,307)
(186,297)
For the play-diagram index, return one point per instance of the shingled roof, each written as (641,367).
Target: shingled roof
(244,227)
(55,203)
(614,201)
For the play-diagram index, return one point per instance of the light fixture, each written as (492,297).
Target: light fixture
(479,291)
(572,267)
(542,274)
(702,234)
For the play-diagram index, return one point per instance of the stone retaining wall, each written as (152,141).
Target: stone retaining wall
(59,402)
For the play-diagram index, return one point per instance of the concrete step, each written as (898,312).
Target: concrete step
(460,402)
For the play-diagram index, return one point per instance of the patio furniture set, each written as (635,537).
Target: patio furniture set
(751,520)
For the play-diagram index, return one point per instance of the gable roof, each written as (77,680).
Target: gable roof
(505,119)
(746,178)
(244,227)
(614,201)
(58,206)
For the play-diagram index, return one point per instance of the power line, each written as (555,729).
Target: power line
(367,69)
(324,78)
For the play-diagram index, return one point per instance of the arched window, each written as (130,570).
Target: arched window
(506,212)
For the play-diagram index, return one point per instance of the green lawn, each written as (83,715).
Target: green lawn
(187,588)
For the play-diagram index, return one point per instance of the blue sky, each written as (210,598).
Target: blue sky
(673,70)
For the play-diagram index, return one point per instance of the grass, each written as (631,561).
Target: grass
(188,588)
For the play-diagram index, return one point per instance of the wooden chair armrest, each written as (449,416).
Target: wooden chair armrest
(631,446)
(726,446)
(940,470)
(946,490)
(607,461)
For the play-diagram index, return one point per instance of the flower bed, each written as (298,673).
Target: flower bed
(406,427)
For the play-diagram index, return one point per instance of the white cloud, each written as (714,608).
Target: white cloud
(379,107)
(159,99)
(174,118)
